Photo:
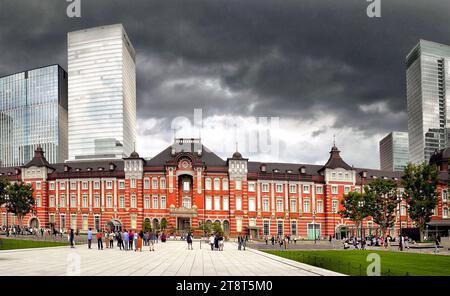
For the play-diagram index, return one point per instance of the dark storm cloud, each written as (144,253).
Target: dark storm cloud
(263,58)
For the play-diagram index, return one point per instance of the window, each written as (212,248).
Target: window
(340,176)
(147,202)
(146,183)
(133,221)
(109,185)
(73,201)
(238,203)
(51,218)
(62,185)
(97,222)
(444,195)
(294,228)
(62,220)
(73,222)
(155,202)
(4,219)
(292,188)
(38,185)
(38,200)
(121,184)
(334,189)
(333,176)
(224,184)
(217,203)
(132,183)
(239,225)
(306,208)
(265,187)
(216,184)
(445,213)
(346,189)
(84,223)
(96,201)
(186,186)
(265,204)
(163,202)
(319,206)
(238,184)
(208,203)
(293,205)
(252,204)
(319,189)
(251,187)
(96,185)
(52,201)
(85,200)
(163,183)
(306,189)
(279,204)
(73,185)
(266,227)
(279,188)
(109,203)
(208,184)
(251,222)
(226,205)
(279,227)
(347,176)
(133,200)
(403,210)
(52,185)
(62,201)
(334,206)
(122,201)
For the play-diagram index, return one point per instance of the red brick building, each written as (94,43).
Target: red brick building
(188,185)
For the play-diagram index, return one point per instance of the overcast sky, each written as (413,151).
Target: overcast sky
(321,67)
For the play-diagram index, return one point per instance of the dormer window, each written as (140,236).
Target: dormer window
(289,171)
(100,169)
(89,169)
(263,168)
(111,167)
(276,170)
(78,169)
(66,168)
(302,170)
(364,174)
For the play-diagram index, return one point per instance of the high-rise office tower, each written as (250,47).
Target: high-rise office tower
(33,111)
(394,152)
(428,96)
(102,93)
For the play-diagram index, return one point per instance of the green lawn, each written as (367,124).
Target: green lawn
(354,262)
(10,244)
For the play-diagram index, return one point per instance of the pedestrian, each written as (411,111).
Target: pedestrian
(139,241)
(89,235)
(211,242)
(267,240)
(135,240)
(437,243)
(273,240)
(71,238)
(111,239)
(126,237)
(106,234)
(119,238)
(153,239)
(239,243)
(406,242)
(189,241)
(99,240)
(401,241)
(286,242)
(221,243)
(216,241)
(130,240)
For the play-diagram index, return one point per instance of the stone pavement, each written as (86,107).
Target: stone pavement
(170,259)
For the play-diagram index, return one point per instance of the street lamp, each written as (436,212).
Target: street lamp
(314,225)
(361,205)
(399,199)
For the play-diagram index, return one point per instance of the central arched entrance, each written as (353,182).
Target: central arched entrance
(114,225)
(34,223)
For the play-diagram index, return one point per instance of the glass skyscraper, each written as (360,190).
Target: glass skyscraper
(102,93)
(427,81)
(33,111)
(394,152)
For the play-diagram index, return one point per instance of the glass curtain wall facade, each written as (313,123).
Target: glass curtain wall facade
(33,111)
(102,93)
(394,152)
(427,80)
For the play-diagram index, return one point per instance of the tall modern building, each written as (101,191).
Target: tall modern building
(33,111)
(394,152)
(102,93)
(428,96)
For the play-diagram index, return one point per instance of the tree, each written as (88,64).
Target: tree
(4,183)
(20,200)
(382,202)
(419,181)
(163,224)
(355,207)
(217,228)
(146,225)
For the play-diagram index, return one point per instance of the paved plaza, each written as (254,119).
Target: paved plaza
(170,259)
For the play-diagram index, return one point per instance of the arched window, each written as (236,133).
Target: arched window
(445,213)
(208,184)
(226,226)
(216,184)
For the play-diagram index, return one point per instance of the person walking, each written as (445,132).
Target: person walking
(71,238)
(211,242)
(135,240)
(239,243)
(99,240)
(139,241)
(267,240)
(286,242)
(273,240)
(119,238)
(189,241)
(153,239)
(437,243)
(106,234)
(220,242)
(216,242)
(111,239)
(126,237)
(89,235)
(130,240)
